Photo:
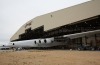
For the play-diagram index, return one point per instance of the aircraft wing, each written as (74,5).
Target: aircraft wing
(82,34)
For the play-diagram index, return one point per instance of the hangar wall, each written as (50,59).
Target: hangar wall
(62,17)
(68,15)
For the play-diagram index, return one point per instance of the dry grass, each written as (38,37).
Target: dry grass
(50,57)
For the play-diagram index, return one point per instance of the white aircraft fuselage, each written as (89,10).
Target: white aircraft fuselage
(47,42)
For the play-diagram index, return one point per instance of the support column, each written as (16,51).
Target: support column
(95,40)
(81,41)
(85,40)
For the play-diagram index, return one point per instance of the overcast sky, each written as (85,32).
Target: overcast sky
(15,13)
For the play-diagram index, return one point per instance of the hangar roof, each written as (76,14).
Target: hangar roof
(62,17)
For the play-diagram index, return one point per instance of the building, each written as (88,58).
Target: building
(76,19)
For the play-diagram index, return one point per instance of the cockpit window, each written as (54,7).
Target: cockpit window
(45,41)
(35,42)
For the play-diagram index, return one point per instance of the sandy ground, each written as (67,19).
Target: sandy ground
(50,57)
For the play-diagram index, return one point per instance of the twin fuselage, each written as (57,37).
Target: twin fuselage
(50,42)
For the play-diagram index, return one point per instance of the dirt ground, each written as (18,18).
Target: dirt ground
(50,57)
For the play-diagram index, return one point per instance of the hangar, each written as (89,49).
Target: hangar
(76,19)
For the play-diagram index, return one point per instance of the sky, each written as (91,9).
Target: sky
(15,13)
